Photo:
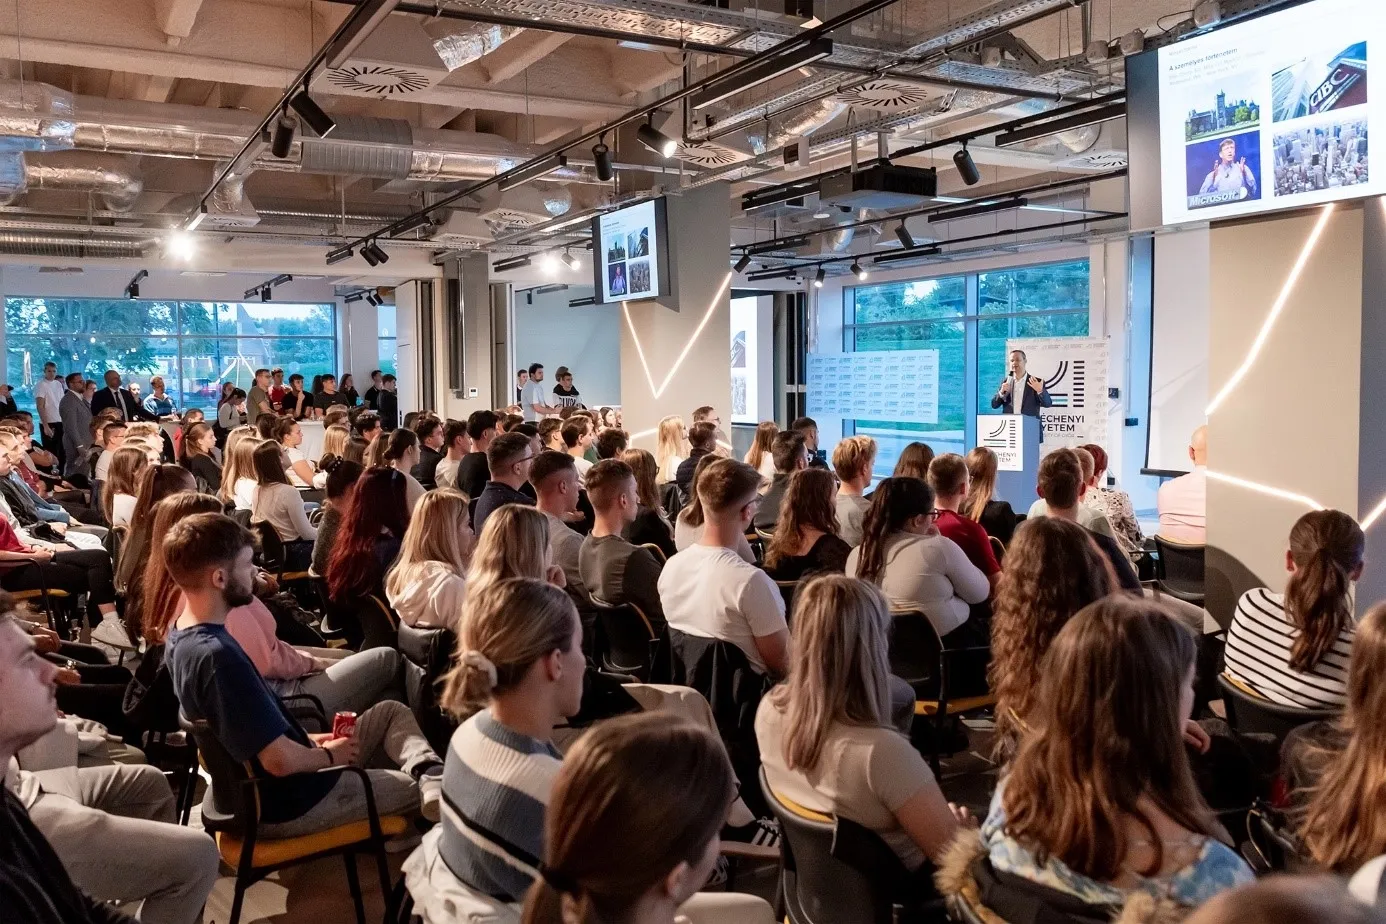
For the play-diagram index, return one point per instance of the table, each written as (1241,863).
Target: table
(313,431)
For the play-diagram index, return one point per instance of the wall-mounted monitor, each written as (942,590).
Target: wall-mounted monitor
(630,252)
(1272,113)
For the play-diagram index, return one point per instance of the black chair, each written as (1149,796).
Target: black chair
(628,644)
(918,657)
(1179,570)
(379,624)
(1248,712)
(335,624)
(835,870)
(274,554)
(427,657)
(241,516)
(1271,846)
(231,811)
(787,591)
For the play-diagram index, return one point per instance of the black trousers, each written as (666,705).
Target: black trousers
(54,443)
(85,571)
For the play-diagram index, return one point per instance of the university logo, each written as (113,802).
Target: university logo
(1004,436)
(1068,386)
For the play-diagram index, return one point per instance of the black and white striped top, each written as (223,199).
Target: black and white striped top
(1258,653)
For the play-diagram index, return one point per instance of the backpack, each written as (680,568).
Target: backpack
(150,703)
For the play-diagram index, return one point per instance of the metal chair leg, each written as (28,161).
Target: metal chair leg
(237,900)
(354,884)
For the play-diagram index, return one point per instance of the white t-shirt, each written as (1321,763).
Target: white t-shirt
(1088,517)
(122,509)
(103,464)
(52,393)
(710,592)
(445,475)
(295,456)
(244,493)
(582,466)
(930,574)
(533,393)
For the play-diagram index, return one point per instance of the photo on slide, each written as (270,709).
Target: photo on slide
(1327,156)
(638,243)
(617,251)
(616,279)
(1222,107)
(1320,83)
(1223,171)
(639,276)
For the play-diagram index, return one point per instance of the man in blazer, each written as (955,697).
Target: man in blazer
(1021,393)
(120,399)
(76,426)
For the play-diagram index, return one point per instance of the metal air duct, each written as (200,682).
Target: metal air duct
(115,179)
(31,244)
(778,132)
(461,47)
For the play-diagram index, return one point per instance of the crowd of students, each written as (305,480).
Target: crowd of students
(784,574)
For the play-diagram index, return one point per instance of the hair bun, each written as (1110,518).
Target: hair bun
(479,662)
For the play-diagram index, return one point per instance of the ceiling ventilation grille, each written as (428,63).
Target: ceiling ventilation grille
(709,154)
(380,80)
(1096,160)
(885,96)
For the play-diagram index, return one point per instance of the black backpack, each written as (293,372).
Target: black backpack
(150,703)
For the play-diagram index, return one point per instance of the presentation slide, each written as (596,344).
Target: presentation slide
(746,368)
(1272,113)
(629,241)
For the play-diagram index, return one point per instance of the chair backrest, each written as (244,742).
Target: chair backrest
(672,499)
(271,546)
(1248,712)
(656,551)
(427,657)
(915,652)
(242,516)
(719,670)
(1180,565)
(628,641)
(998,548)
(230,811)
(379,624)
(114,542)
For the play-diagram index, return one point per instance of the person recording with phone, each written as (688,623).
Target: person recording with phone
(1021,393)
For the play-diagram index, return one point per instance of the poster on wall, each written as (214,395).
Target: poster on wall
(744,360)
(1074,370)
(892,385)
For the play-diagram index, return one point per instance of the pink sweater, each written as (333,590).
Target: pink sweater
(252,626)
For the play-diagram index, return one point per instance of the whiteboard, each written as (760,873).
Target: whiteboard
(894,385)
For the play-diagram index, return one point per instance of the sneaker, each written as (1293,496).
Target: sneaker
(720,874)
(112,631)
(763,832)
(431,795)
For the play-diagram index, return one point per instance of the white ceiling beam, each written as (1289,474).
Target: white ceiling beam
(176,18)
(512,58)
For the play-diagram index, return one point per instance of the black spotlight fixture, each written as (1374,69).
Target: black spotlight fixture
(312,115)
(373,255)
(265,294)
(656,140)
(857,270)
(283,137)
(742,263)
(967,169)
(373,299)
(569,260)
(818,278)
(132,290)
(340,255)
(601,156)
(903,233)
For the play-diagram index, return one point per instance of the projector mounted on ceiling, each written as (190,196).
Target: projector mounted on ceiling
(880,186)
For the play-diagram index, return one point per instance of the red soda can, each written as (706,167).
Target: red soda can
(344,725)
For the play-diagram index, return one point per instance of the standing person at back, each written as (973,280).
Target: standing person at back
(76,424)
(854,459)
(613,570)
(564,394)
(790,452)
(534,397)
(509,458)
(1183,502)
(374,391)
(387,403)
(48,397)
(474,471)
(258,400)
(707,590)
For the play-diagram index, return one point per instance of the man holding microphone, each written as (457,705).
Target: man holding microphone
(1020,393)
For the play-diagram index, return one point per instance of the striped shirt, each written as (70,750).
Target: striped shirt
(496,785)
(1258,653)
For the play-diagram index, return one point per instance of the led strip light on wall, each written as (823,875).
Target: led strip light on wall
(640,350)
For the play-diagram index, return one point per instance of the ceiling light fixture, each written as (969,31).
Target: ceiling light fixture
(857,270)
(533,172)
(761,73)
(743,262)
(265,294)
(582,302)
(569,260)
(818,278)
(340,255)
(510,263)
(900,256)
(771,274)
(656,140)
(132,290)
(373,299)
(312,114)
(1054,126)
(373,254)
(967,168)
(903,233)
(181,245)
(986,208)
(197,219)
(548,262)
(601,156)
(283,138)
(788,243)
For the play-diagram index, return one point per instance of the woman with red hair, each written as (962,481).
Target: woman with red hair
(1113,503)
(373,523)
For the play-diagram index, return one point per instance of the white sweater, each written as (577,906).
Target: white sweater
(281,506)
(930,574)
(431,597)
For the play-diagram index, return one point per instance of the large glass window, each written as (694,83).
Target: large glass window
(968,319)
(389,339)
(193,346)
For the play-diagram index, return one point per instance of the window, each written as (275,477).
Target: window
(968,319)
(389,339)
(193,346)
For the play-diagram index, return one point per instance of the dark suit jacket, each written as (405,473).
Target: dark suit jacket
(768,514)
(388,402)
(132,408)
(1030,403)
(76,417)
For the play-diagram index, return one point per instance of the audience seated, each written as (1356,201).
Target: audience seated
(374,521)
(808,428)
(759,456)
(122,481)
(429,430)
(996,516)
(342,475)
(401,452)
(650,526)
(914,461)
(457,444)
(614,571)
(554,476)
(902,553)
(209,557)
(1086,515)
(1293,647)
(1339,769)
(112,438)
(854,460)
(1060,489)
(1052,571)
(689,524)
(198,443)
(157,483)
(238,475)
(297,467)
(577,439)
(708,590)
(334,443)
(1183,501)
(509,458)
(515,545)
(671,448)
(702,441)
(790,452)
(279,504)
(427,584)
(1100,802)
(610,443)
(1289,900)
(1113,503)
(805,540)
(948,477)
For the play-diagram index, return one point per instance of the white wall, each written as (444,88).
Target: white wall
(587,340)
(1179,355)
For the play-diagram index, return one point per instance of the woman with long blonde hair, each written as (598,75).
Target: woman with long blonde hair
(758,456)
(427,584)
(671,448)
(122,482)
(334,441)
(1343,825)
(806,539)
(651,526)
(238,475)
(826,737)
(996,516)
(514,543)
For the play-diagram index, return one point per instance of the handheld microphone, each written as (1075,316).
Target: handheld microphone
(1010,381)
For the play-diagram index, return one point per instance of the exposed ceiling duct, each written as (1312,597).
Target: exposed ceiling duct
(115,179)
(33,244)
(780,132)
(228,206)
(460,47)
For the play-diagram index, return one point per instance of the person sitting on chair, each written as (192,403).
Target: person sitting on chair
(614,571)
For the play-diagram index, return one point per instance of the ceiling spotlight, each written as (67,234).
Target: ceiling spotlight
(373,299)
(743,262)
(601,155)
(340,255)
(181,245)
(1207,13)
(265,294)
(373,255)
(132,290)
(818,278)
(283,137)
(857,270)
(570,261)
(1132,43)
(903,233)
(548,262)
(962,159)
(320,122)
(656,140)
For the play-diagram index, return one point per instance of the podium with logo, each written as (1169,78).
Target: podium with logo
(1015,438)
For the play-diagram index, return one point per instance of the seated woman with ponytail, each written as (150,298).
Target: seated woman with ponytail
(1293,648)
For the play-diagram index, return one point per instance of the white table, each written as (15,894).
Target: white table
(312,435)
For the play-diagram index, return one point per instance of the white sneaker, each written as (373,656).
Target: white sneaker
(112,631)
(431,796)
